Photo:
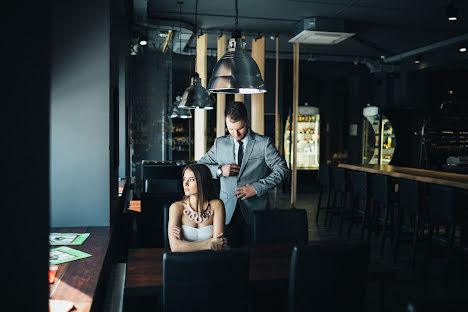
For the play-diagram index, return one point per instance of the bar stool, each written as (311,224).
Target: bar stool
(339,189)
(380,196)
(410,205)
(441,213)
(359,197)
(324,187)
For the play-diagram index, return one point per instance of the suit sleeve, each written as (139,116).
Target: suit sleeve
(210,160)
(279,169)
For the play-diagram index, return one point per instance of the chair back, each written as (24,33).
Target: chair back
(379,188)
(206,280)
(409,191)
(280,226)
(339,179)
(324,176)
(359,183)
(328,277)
(440,204)
(164,186)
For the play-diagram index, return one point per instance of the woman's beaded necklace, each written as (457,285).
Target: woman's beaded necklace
(195,215)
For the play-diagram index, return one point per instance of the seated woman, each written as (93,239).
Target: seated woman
(197,221)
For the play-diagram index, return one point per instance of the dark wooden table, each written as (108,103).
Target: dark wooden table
(269,263)
(78,281)
(422,175)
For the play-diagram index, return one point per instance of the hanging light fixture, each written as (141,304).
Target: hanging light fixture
(236,71)
(177,112)
(195,96)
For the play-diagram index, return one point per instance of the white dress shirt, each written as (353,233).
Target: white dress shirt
(236,146)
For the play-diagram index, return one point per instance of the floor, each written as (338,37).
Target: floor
(431,289)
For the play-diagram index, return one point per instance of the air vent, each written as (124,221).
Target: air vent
(320,30)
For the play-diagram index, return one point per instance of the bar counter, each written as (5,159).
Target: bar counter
(421,175)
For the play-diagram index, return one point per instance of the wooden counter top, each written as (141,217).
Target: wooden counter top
(422,175)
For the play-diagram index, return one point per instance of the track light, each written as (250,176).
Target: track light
(143,40)
(452,12)
(462,49)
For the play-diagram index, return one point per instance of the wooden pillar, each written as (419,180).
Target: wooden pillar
(220,97)
(277,119)
(257,106)
(200,114)
(294,116)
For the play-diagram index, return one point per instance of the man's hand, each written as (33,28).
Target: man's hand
(245,191)
(230,170)
(176,232)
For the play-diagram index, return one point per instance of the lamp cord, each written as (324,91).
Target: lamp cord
(196,17)
(237,16)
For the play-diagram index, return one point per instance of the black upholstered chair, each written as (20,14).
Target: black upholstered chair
(280,226)
(162,186)
(328,277)
(206,281)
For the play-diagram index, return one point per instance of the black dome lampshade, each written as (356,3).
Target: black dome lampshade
(236,71)
(195,96)
(177,112)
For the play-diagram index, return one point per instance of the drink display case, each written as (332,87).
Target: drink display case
(308,138)
(378,137)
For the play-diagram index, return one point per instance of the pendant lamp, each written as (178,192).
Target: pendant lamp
(177,112)
(236,71)
(195,96)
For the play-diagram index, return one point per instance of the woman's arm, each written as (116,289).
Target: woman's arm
(175,217)
(218,217)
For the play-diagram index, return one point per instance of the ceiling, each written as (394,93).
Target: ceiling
(382,28)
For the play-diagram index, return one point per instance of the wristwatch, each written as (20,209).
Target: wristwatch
(219,172)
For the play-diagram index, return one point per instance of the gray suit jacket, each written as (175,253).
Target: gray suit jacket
(262,166)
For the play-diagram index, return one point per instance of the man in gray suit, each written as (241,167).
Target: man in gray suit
(248,165)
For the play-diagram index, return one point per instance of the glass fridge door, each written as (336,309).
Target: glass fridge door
(308,142)
(388,142)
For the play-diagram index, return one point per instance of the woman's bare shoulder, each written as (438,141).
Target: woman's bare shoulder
(178,205)
(216,204)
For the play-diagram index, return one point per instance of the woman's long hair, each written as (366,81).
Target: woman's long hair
(205,188)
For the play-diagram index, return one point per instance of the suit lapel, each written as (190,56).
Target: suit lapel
(248,151)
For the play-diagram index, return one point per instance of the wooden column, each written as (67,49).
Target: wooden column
(294,116)
(257,106)
(220,97)
(200,114)
(277,119)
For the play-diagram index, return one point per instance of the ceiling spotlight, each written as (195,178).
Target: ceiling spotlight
(162,34)
(143,40)
(417,61)
(452,12)
(462,49)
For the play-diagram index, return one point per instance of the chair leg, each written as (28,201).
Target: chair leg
(354,207)
(396,240)
(371,227)
(384,228)
(342,212)
(365,219)
(428,255)
(329,198)
(318,206)
(451,237)
(415,241)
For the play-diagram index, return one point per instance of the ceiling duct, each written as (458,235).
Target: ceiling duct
(321,30)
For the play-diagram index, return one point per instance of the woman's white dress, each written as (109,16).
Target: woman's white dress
(192,234)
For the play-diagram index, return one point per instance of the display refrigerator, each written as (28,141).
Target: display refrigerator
(308,138)
(378,137)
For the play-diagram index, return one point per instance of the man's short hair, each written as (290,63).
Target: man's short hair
(236,111)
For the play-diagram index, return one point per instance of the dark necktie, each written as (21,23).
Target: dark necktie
(240,153)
